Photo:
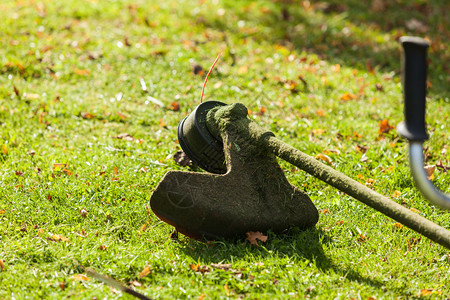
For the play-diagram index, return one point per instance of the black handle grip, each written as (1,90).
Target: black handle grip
(414,88)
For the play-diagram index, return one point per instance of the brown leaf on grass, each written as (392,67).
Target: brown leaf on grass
(103,247)
(326,211)
(145,272)
(243,70)
(2,211)
(122,116)
(143,227)
(262,111)
(175,106)
(197,69)
(427,292)
(396,194)
(124,136)
(58,238)
(115,170)
(318,131)
(31,96)
(67,172)
(2,265)
(369,67)
(59,166)
(227,289)
(83,213)
(253,236)
(62,285)
(182,159)
(384,126)
(398,225)
(82,72)
(4,149)
(136,283)
(16,91)
(361,148)
(415,210)
(87,115)
(348,96)
(441,166)
(324,158)
(430,170)
(362,238)
(80,277)
(201,297)
(199,268)
(379,87)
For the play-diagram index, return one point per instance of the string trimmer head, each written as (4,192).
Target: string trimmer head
(252,195)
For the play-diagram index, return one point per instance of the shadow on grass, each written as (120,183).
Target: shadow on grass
(351,33)
(299,246)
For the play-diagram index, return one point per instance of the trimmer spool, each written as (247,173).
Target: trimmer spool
(198,143)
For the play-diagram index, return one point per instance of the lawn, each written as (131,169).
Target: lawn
(91,93)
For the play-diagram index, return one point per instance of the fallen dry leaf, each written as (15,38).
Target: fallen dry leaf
(103,247)
(396,194)
(80,277)
(82,72)
(58,166)
(87,115)
(430,170)
(348,97)
(199,268)
(2,265)
(318,131)
(83,212)
(252,237)
(415,210)
(31,96)
(2,211)
(324,158)
(197,69)
(175,106)
(243,70)
(124,136)
(58,238)
(143,227)
(16,91)
(427,292)
(326,211)
(398,225)
(145,272)
(384,126)
(136,283)
(201,297)
(182,159)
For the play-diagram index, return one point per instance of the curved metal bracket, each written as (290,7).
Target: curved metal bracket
(426,187)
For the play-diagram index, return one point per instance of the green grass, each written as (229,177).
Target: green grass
(76,66)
